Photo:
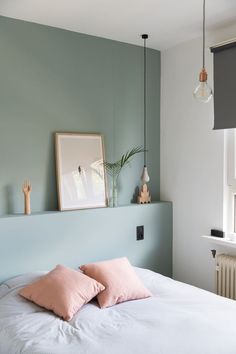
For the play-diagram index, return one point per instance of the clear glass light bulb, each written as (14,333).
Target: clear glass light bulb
(145,176)
(203,92)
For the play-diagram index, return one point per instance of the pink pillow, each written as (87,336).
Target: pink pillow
(63,290)
(120,281)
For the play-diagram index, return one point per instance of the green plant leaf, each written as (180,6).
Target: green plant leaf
(114,168)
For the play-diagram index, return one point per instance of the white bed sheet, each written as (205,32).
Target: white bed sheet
(178,319)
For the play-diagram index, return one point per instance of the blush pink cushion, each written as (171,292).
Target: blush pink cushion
(120,281)
(63,291)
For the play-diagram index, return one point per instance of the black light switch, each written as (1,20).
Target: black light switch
(140,233)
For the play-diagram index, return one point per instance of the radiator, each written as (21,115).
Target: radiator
(226,276)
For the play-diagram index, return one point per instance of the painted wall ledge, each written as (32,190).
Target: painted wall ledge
(41,241)
(56,212)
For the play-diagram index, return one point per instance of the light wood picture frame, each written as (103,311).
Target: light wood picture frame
(81,178)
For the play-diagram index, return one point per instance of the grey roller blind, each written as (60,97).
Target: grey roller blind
(225,86)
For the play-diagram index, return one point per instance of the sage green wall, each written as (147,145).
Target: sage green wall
(40,241)
(56,80)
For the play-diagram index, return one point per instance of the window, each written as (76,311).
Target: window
(230,183)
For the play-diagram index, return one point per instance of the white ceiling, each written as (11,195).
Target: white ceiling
(168,22)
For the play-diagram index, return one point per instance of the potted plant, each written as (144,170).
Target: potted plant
(114,169)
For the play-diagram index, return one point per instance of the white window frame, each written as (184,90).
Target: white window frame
(230,183)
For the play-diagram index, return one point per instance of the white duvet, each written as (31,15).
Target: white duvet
(178,319)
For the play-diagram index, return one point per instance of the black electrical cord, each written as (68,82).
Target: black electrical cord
(203,33)
(145,37)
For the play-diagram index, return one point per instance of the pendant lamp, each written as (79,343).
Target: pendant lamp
(203,92)
(144,195)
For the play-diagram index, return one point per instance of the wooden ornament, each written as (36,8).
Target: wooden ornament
(144,195)
(26,189)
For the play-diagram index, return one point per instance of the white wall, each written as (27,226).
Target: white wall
(191,161)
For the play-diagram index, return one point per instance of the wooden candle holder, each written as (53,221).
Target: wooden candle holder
(144,195)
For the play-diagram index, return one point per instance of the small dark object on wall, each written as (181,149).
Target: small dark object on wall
(217,233)
(140,233)
(213,252)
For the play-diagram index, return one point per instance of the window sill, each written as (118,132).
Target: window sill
(220,241)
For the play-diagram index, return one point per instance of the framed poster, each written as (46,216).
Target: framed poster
(81,179)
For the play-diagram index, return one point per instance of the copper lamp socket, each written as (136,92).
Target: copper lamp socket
(203,76)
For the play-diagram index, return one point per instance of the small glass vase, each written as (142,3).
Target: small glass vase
(114,194)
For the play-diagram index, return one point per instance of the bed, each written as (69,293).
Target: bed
(178,319)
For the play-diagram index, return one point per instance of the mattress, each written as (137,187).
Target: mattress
(178,319)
